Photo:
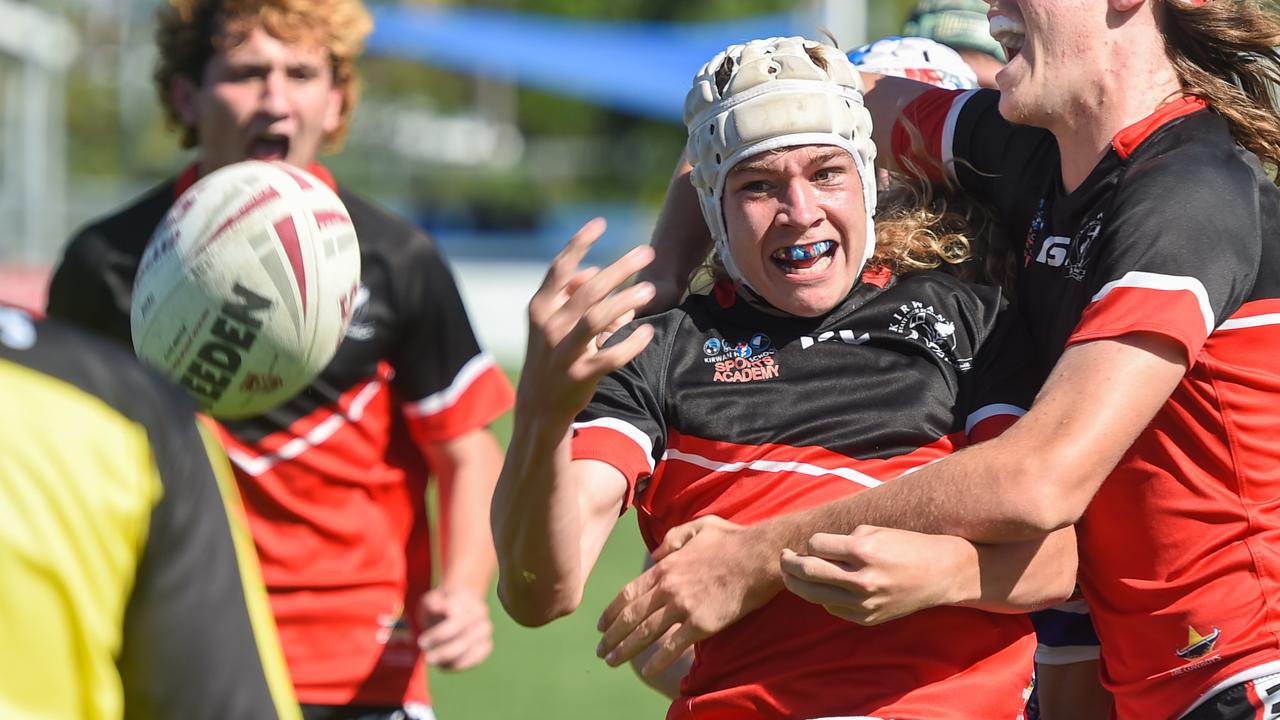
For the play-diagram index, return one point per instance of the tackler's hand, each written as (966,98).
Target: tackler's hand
(709,574)
(874,574)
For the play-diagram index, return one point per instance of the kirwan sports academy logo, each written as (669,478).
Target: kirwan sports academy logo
(745,361)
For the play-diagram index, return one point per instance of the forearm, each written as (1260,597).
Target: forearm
(1018,577)
(983,501)
(465,491)
(680,241)
(537,526)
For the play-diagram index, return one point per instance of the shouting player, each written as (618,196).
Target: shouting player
(334,481)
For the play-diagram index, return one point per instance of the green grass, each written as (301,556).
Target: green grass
(552,671)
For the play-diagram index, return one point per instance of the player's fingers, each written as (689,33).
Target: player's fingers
(632,591)
(608,280)
(579,279)
(629,620)
(442,632)
(471,657)
(613,327)
(609,311)
(813,569)
(832,546)
(450,654)
(566,261)
(677,536)
(667,638)
(580,316)
(836,600)
(621,353)
(649,631)
(670,648)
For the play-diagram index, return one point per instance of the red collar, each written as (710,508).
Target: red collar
(188,177)
(1128,139)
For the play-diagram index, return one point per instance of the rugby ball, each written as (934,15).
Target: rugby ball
(246,287)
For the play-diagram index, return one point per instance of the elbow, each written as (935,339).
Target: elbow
(532,606)
(1048,494)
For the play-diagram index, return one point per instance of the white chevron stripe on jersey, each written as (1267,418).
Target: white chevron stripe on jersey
(990,411)
(1250,322)
(632,432)
(257,465)
(444,399)
(771,466)
(948,155)
(1157,281)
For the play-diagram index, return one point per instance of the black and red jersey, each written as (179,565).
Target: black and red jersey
(1175,233)
(334,480)
(734,412)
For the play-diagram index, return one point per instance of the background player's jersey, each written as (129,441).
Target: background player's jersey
(733,412)
(334,480)
(1173,233)
(128,586)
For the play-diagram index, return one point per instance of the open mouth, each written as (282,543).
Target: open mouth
(805,258)
(1009,33)
(269,147)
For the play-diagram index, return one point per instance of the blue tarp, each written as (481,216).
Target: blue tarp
(638,67)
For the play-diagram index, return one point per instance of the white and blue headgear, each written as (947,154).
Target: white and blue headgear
(770,94)
(916,58)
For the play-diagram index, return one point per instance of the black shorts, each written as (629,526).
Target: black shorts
(366,712)
(1251,700)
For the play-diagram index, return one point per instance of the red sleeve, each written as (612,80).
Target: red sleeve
(618,444)
(1174,306)
(478,395)
(989,422)
(919,132)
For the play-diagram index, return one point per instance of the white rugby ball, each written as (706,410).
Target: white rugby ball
(246,287)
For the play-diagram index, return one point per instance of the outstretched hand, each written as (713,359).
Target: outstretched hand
(568,317)
(709,574)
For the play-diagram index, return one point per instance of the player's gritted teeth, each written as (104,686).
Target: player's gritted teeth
(1010,33)
(269,147)
(805,258)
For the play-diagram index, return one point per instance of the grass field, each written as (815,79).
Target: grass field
(552,672)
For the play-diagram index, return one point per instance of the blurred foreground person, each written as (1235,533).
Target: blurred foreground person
(131,589)
(724,408)
(335,480)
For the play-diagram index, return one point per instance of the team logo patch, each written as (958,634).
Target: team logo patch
(921,322)
(743,361)
(1078,259)
(396,635)
(1199,645)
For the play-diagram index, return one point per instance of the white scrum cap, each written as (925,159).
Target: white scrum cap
(770,94)
(916,58)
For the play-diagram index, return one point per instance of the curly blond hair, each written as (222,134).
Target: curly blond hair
(189,32)
(919,227)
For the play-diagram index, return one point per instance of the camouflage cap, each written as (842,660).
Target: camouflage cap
(959,24)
